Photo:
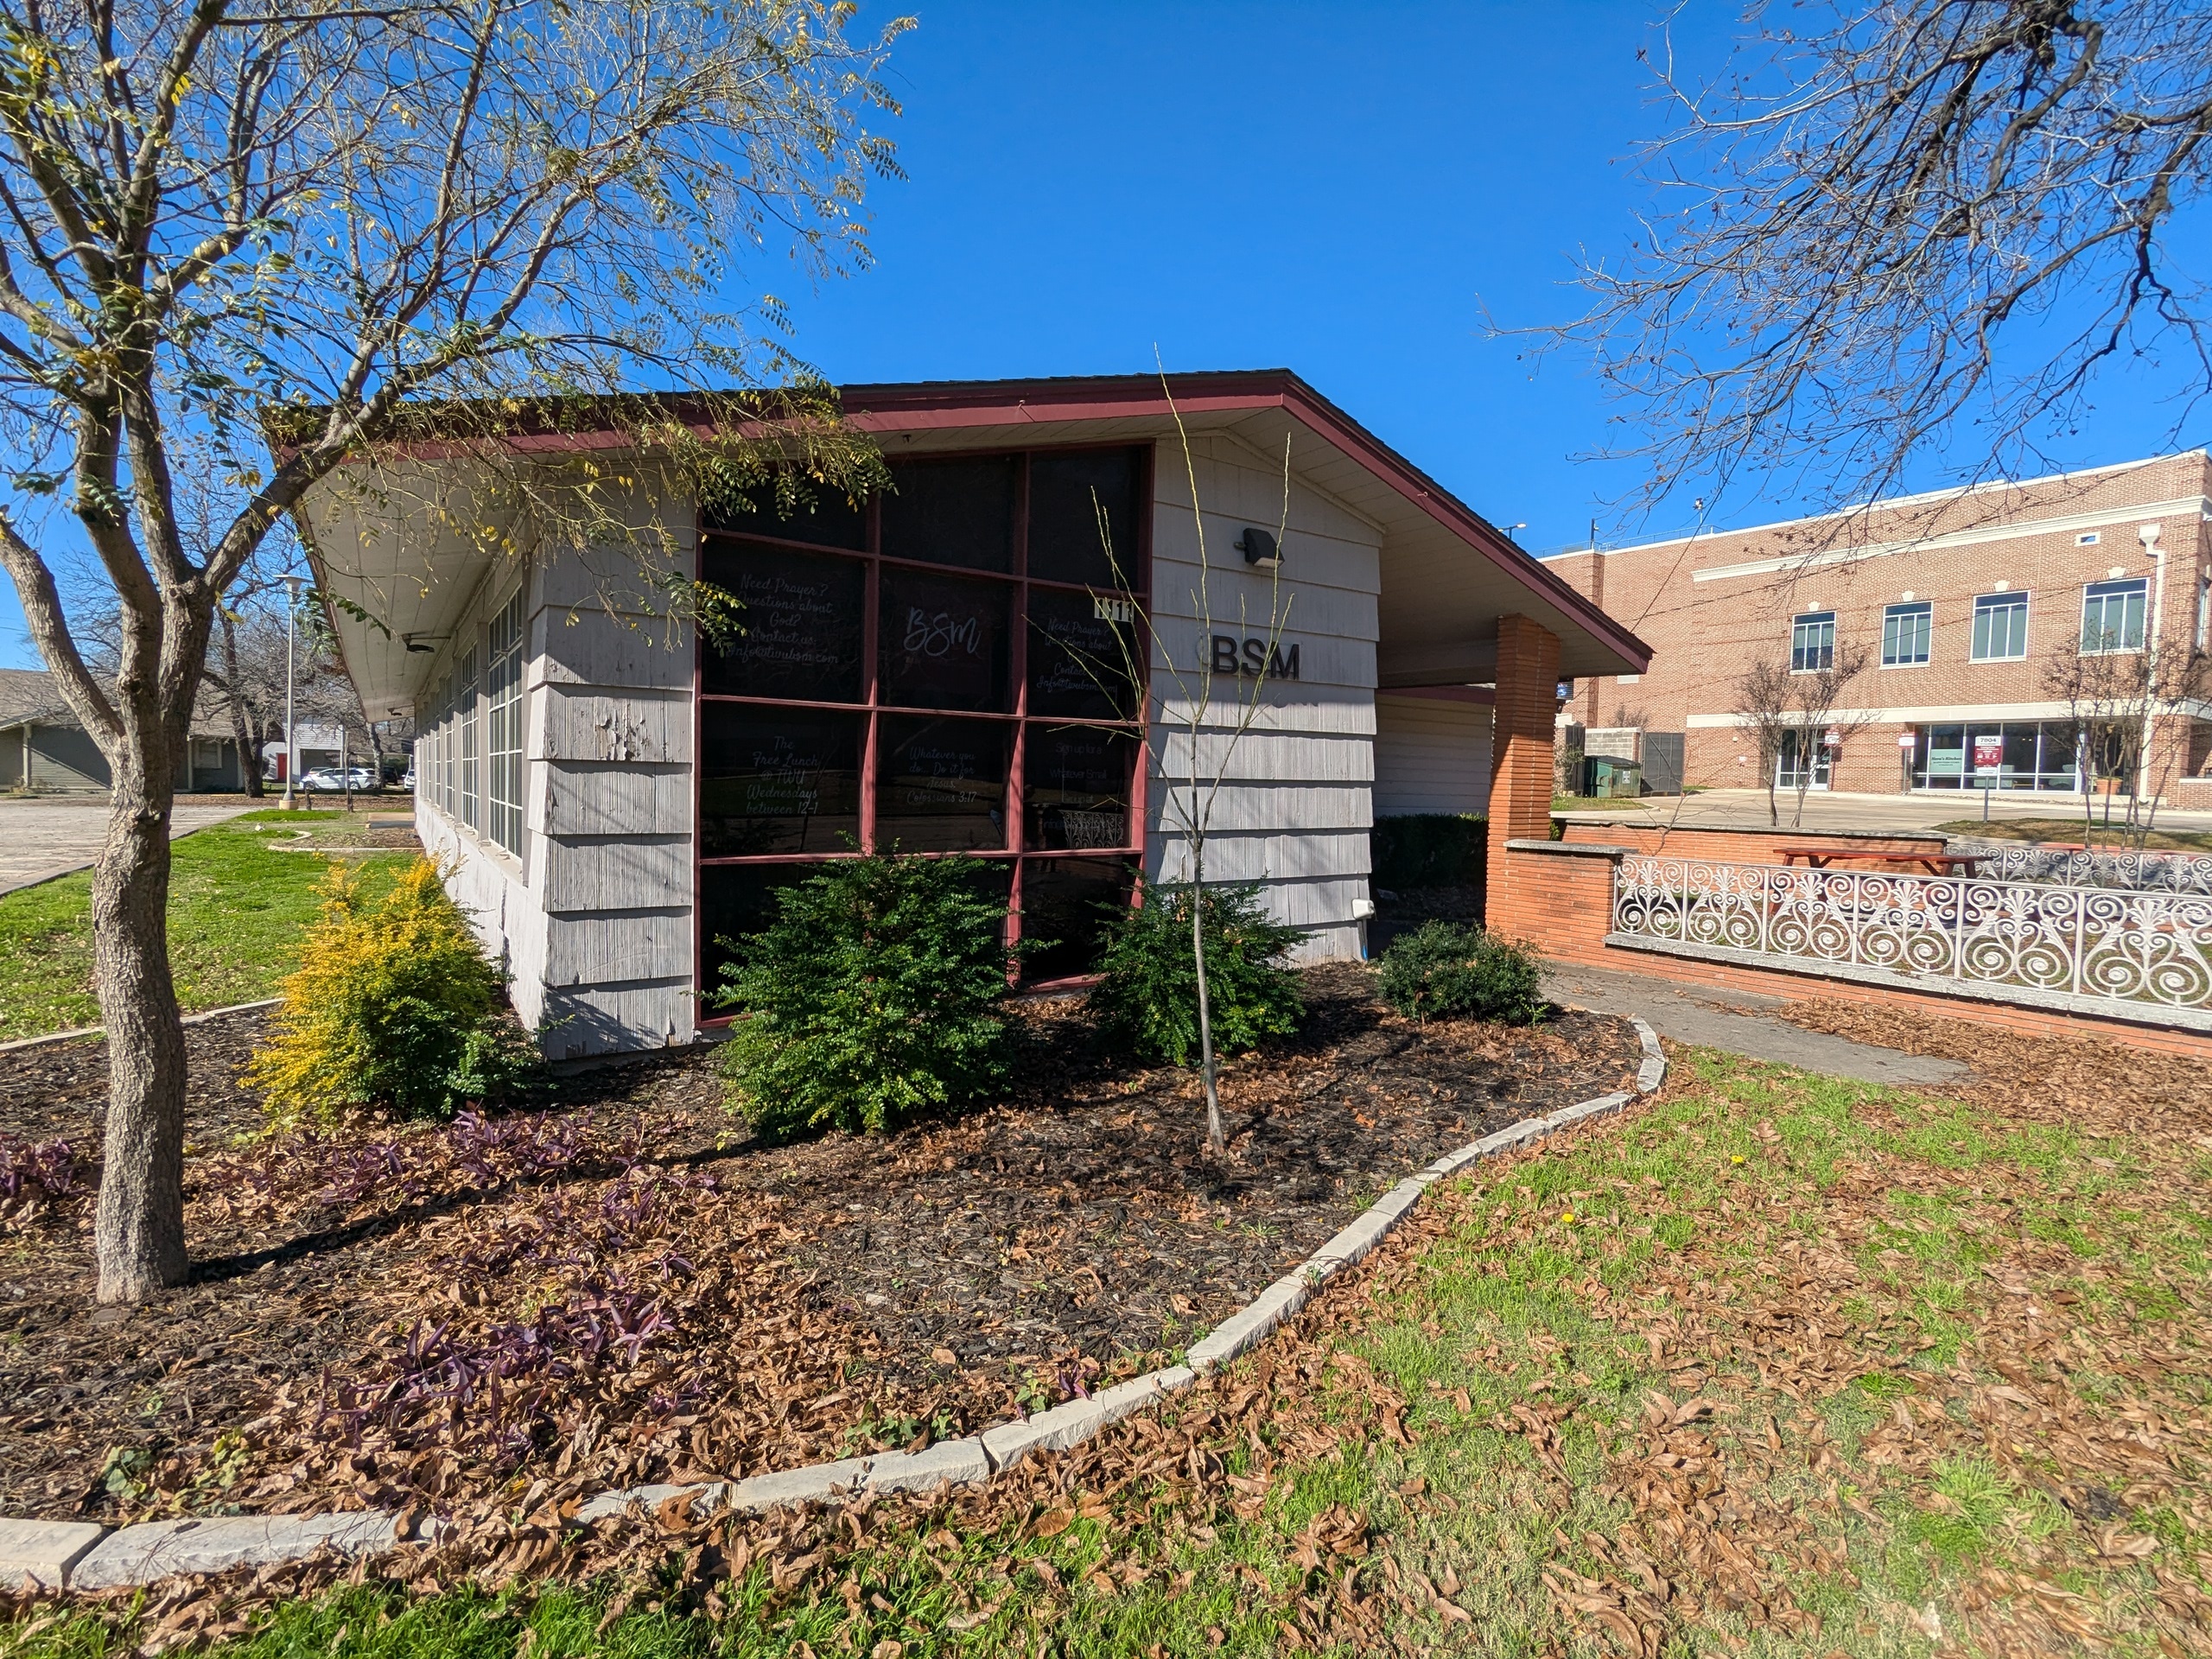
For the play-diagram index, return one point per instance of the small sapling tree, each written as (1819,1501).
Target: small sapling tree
(1206,697)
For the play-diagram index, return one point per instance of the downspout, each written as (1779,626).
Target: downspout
(2149,535)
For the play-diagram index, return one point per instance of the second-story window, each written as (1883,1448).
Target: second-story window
(2000,628)
(1812,642)
(1906,630)
(2111,616)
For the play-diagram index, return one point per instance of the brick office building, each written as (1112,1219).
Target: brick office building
(1963,600)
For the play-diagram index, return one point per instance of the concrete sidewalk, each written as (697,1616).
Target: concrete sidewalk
(1741,1021)
(40,839)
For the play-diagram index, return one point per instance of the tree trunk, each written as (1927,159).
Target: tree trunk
(1216,1141)
(249,751)
(139,1232)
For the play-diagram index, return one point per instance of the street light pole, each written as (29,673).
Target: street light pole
(291,629)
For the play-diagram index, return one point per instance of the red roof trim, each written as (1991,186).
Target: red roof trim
(946,405)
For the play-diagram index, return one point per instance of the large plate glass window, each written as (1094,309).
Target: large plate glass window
(2111,616)
(1812,642)
(785,780)
(1082,517)
(942,641)
(1907,632)
(958,512)
(803,621)
(956,667)
(941,785)
(1083,650)
(2000,628)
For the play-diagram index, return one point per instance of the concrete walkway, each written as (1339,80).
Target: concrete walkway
(41,838)
(1740,1021)
(1735,808)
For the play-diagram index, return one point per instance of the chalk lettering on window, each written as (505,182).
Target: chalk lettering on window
(940,635)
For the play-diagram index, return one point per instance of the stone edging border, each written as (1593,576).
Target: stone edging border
(49,1555)
(200,1019)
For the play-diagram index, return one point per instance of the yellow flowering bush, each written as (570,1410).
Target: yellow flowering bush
(394,1005)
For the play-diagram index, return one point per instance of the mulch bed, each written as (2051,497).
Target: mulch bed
(625,1288)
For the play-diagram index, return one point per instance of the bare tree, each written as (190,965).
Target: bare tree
(1762,710)
(1793,712)
(1883,217)
(296,241)
(1217,695)
(2126,706)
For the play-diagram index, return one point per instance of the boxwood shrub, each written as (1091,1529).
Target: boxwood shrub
(1444,969)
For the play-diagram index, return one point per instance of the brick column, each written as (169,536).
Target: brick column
(1521,750)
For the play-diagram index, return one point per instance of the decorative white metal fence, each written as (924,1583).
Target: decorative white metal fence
(2137,872)
(2092,949)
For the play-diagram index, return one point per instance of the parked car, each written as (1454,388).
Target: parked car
(330,779)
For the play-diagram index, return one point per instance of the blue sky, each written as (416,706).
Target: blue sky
(1339,190)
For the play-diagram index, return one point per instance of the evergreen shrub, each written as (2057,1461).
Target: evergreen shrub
(871,995)
(1147,994)
(395,1005)
(1443,969)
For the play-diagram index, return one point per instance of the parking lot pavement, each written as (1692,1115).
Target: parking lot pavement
(41,838)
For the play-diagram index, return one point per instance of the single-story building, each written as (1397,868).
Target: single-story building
(935,671)
(43,748)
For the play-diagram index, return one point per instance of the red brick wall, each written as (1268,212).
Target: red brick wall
(1524,721)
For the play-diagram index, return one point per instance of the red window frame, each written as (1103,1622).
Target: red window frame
(1016,856)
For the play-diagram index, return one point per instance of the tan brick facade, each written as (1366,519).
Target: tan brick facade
(1711,605)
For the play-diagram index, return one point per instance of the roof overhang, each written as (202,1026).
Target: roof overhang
(1447,574)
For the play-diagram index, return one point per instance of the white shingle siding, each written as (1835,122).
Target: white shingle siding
(1430,756)
(1296,801)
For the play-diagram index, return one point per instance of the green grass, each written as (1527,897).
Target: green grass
(1597,804)
(1595,1290)
(236,907)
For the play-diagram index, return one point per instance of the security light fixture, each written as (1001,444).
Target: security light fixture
(1259,548)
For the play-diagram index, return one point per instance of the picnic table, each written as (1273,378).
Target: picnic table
(1819,858)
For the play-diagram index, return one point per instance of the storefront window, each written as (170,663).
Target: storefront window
(982,647)
(942,641)
(2032,755)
